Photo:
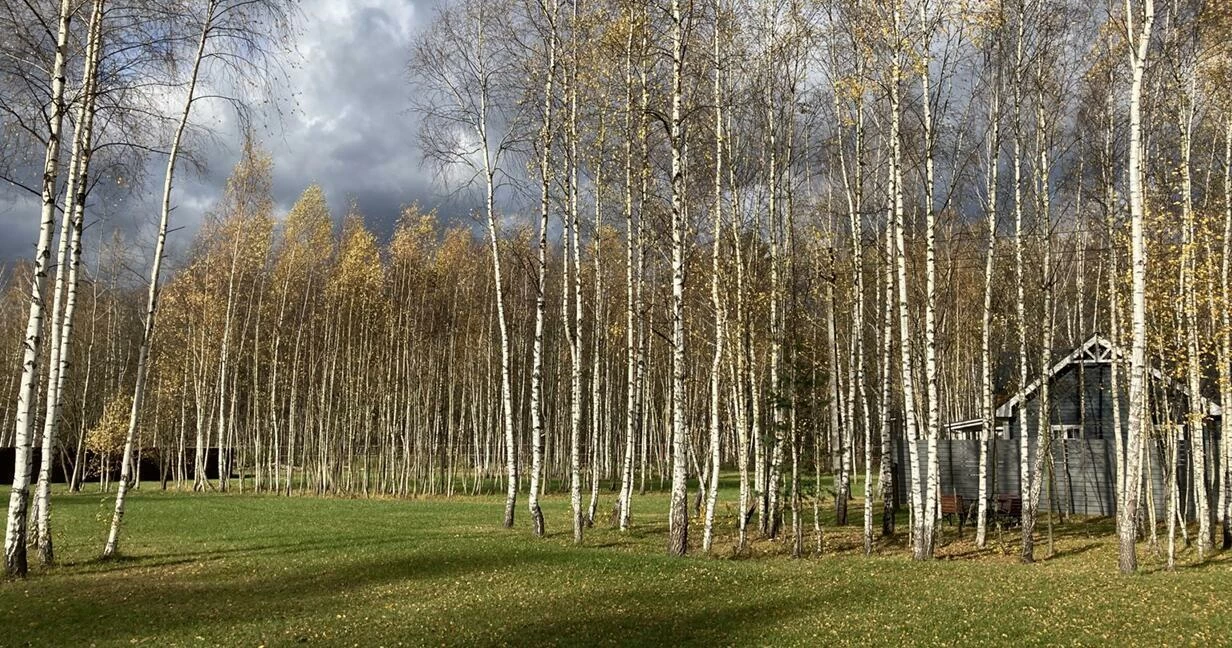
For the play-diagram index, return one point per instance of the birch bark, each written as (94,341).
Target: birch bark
(631,306)
(678,542)
(1127,523)
(988,427)
(536,387)
(66,286)
(147,335)
(24,421)
(906,355)
(720,312)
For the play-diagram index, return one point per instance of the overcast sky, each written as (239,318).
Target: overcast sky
(348,129)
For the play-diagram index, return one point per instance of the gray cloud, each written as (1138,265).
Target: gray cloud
(18,227)
(345,125)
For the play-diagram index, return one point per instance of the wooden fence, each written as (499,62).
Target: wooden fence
(1082,476)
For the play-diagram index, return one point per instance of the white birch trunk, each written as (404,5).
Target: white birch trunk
(928,526)
(489,170)
(597,333)
(536,386)
(720,313)
(1225,346)
(1043,451)
(904,316)
(886,479)
(853,184)
(746,405)
(23,434)
(1023,432)
(224,357)
(66,286)
(631,345)
(1193,369)
(575,339)
(988,426)
(1114,322)
(678,541)
(1127,523)
(147,335)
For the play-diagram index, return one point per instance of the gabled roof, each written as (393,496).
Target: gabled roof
(975,424)
(1097,351)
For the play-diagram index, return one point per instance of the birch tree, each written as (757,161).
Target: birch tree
(68,260)
(1024,424)
(1138,32)
(678,542)
(23,435)
(632,279)
(988,425)
(573,330)
(716,302)
(551,13)
(930,513)
(468,124)
(1185,81)
(113,536)
(920,529)
(230,36)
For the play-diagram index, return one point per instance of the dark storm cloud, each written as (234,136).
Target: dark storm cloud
(351,131)
(18,227)
(344,125)
(348,127)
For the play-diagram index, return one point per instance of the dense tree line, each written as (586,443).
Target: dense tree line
(763,235)
(143,66)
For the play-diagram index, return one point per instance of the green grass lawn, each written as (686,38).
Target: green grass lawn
(244,570)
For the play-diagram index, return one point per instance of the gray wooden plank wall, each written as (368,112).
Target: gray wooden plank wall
(1083,473)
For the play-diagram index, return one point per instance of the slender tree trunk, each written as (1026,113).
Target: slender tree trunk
(928,538)
(839,429)
(1193,370)
(920,550)
(66,286)
(1043,451)
(678,542)
(536,386)
(1023,414)
(224,357)
(1114,319)
(1127,523)
(511,446)
(886,479)
(23,435)
(147,335)
(574,330)
(741,388)
(597,333)
(720,312)
(856,387)
(632,306)
(1225,346)
(988,426)
(772,487)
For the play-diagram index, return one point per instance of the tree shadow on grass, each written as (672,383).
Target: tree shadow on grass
(1076,550)
(571,621)
(125,561)
(129,601)
(117,606)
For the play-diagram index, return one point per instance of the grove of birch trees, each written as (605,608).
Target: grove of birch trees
(748,240)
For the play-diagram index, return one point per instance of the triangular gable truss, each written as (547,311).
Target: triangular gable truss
(1096,351)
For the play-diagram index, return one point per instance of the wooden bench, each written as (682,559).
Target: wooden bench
(953,508)
(1007,508)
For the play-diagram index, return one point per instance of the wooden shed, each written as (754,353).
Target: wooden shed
(1082,420)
